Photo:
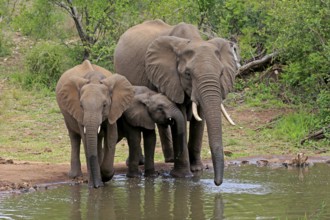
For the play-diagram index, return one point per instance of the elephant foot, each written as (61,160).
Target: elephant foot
(151,173)
(135,174)
(181,173)
(106,175)
(196,167)
(75,174)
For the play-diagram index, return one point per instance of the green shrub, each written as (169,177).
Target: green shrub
(323,103)
(46,62)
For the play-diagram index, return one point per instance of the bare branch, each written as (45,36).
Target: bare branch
(64,6)
(256,63)
(319,134)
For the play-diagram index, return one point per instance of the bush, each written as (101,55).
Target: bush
(323,103)
(46,62)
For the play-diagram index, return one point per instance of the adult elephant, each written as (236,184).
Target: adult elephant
(176,61)
(147,109)
(91,100)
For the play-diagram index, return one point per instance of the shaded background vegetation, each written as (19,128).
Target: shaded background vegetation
(63,33)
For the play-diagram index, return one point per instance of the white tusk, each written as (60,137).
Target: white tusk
(227,116)
(238,65)
(84,130)
(99,129)
(195,112)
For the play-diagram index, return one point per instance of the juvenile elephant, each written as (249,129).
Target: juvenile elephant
(91,100)
(147,109)
(176,61)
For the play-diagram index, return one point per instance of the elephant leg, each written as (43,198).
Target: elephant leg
(181,161)
(149,138)
(75,170)
(141,158)
(167,144)
(195,144)
(134,144)
(110,140)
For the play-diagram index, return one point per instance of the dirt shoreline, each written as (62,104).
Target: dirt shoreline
(21,177)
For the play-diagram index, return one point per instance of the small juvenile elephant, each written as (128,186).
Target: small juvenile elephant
(147,109)
(91,100)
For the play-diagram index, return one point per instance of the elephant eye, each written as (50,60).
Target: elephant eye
(160,108)
(187,73)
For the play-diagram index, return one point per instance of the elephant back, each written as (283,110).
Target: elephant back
(129,56)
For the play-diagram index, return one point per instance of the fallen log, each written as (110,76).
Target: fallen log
(317,135)
(256,63)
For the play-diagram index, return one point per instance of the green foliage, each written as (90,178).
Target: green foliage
(263,95)
(323,104)
(304,39)
(170,11)
(5,45)
(45,63)
(41,21)
(259,93)
(294,127)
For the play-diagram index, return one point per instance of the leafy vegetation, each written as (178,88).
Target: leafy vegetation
(62,33)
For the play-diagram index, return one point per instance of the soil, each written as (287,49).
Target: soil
(21,177)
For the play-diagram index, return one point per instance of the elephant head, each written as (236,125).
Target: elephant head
(88,100)
(149,107)
(202,70)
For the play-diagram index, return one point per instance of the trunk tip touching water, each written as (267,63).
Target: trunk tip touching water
(95,176)
(218,182)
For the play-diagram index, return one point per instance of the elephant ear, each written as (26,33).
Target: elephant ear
(137,114)
(161,66)
(228,65)
(121,94)
(68,96)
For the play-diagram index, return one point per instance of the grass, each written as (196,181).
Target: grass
(32,129)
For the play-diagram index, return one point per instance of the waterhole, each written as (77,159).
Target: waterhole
(248,192)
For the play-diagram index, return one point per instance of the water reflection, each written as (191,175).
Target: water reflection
(145,199)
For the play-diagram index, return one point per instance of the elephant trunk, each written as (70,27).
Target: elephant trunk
(210,100)
(178,129)
(93,166)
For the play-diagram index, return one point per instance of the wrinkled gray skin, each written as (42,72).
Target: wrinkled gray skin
(147,109)
(91,100)
(176,61)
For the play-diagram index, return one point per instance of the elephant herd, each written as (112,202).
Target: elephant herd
(166,75)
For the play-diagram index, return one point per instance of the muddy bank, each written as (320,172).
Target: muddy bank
(23,177)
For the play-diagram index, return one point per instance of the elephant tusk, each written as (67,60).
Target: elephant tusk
(99,129)
(195,112)
(238,65)
(227,116)
(84,130)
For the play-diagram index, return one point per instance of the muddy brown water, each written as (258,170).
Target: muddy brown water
(248,192)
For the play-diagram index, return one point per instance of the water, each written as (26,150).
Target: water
(248,192)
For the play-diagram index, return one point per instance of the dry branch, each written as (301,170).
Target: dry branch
(256,63)
(317,135)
